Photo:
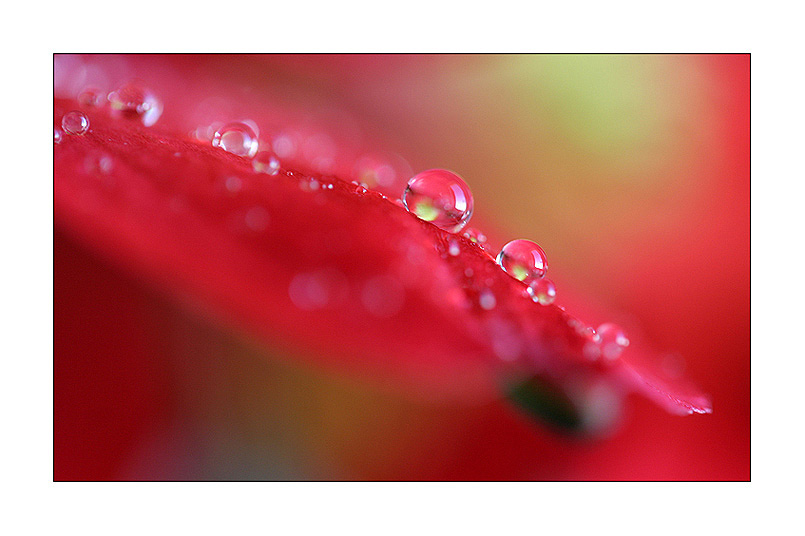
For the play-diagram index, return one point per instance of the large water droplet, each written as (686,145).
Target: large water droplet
(134,100)
(542,291)
(75,123)
(238,138)
(523,259)
(440,197)
(613,340)
(265,162)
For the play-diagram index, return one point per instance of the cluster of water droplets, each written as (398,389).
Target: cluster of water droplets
(131,100)
(443,198)
(438,196)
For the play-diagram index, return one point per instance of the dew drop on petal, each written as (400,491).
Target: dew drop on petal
(75,123)
(523,259)
(266,162)
(440,197)
(56,135)
(474,235)
(612,340)
(91,98)
(238,138)
(542,291)
(135,101)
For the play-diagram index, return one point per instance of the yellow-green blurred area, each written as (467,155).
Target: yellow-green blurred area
(632,172)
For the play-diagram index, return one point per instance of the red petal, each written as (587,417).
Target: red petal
(300,266)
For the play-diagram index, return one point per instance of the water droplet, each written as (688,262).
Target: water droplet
(91,98)
(75,123)
(56,135)
(474,235)
(359,188)
(265,162)
(134,100)
(487,300)
(613,340)
(542,291)
(440,197)
(523,259)
(237,138)
(453,248)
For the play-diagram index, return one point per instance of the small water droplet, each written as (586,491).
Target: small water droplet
(238,138)
(135,101)
(542,291)
(613,340)
(266,162)
(487,300)
(523,259)
(75,123)
(359,188)
(440,197)
(91,98)
(453,248)
(56,135)
(474,235)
